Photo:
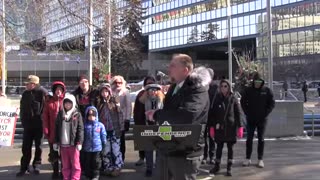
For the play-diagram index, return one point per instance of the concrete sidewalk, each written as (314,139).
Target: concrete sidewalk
(284,160)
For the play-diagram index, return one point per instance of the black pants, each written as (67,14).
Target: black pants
(179,167)
(83,161)
(93,164)
(142,154)
(220,148)
(54,159)
(123,145)
(30,135)
(250,134)
(209,146)
(305,96)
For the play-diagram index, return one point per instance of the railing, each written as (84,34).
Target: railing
(294,97)
(312,120)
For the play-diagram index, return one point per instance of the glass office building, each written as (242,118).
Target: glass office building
(199,27)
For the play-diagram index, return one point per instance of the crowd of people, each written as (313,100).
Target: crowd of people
(86,128)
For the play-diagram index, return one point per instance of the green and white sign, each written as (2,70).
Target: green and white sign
(166,133)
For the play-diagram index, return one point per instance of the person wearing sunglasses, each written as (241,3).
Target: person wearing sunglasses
(119,90)
(225,124)
(257,103)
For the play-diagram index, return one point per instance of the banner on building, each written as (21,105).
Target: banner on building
(8,119)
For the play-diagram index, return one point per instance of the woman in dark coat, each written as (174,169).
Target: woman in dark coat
(225,124)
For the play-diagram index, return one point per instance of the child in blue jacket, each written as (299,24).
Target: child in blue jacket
(94,143)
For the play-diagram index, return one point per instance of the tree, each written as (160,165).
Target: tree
(130,56)
(209,34)
(193,36)
(246,68)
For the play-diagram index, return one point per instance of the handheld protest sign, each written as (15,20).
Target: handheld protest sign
(8,119)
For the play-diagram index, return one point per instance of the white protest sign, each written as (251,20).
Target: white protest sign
(8,119)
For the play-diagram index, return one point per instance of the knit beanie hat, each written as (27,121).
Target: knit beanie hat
(83,76)
(105,86)
(152,86)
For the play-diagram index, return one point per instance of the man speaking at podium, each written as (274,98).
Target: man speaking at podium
(186,102)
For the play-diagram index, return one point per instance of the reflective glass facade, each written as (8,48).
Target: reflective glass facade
(180,23)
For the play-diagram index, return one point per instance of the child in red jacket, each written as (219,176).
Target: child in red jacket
(50,113)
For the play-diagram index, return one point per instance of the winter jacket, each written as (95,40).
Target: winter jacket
(152,104)
(94,133)
(189,105)
(304,87)
(225,118)
(257,104)
(116,115)
(31,107)
(139,115)
(51,109)
(76,131)
(125,103)
(91,95)
(213,92)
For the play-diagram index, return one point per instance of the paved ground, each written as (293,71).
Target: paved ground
(284,159)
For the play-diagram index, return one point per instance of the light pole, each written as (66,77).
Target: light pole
(270,52)
(90,32)
(229,42)
(109,37)
(3,74)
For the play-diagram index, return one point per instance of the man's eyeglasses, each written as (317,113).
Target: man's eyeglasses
(118,82)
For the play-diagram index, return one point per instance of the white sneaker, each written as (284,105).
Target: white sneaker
(260,164)
(247,162)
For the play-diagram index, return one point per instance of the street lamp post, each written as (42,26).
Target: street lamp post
(3,74)
(229,42)
(109,37)
(270,52)
(90,39)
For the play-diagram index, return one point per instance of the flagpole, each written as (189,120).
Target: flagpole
(3,75)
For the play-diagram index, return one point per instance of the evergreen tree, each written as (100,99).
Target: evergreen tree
(209,34)
(132,42)
(194,35)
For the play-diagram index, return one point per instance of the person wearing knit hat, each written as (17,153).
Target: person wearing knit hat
(111,117)
(50,113)
(153,100)
(85,96)
(138,113)
(83,77)
(107,86)
(152,86)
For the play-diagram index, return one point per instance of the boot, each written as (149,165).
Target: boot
(216,168)
(230,162)
(55,167)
